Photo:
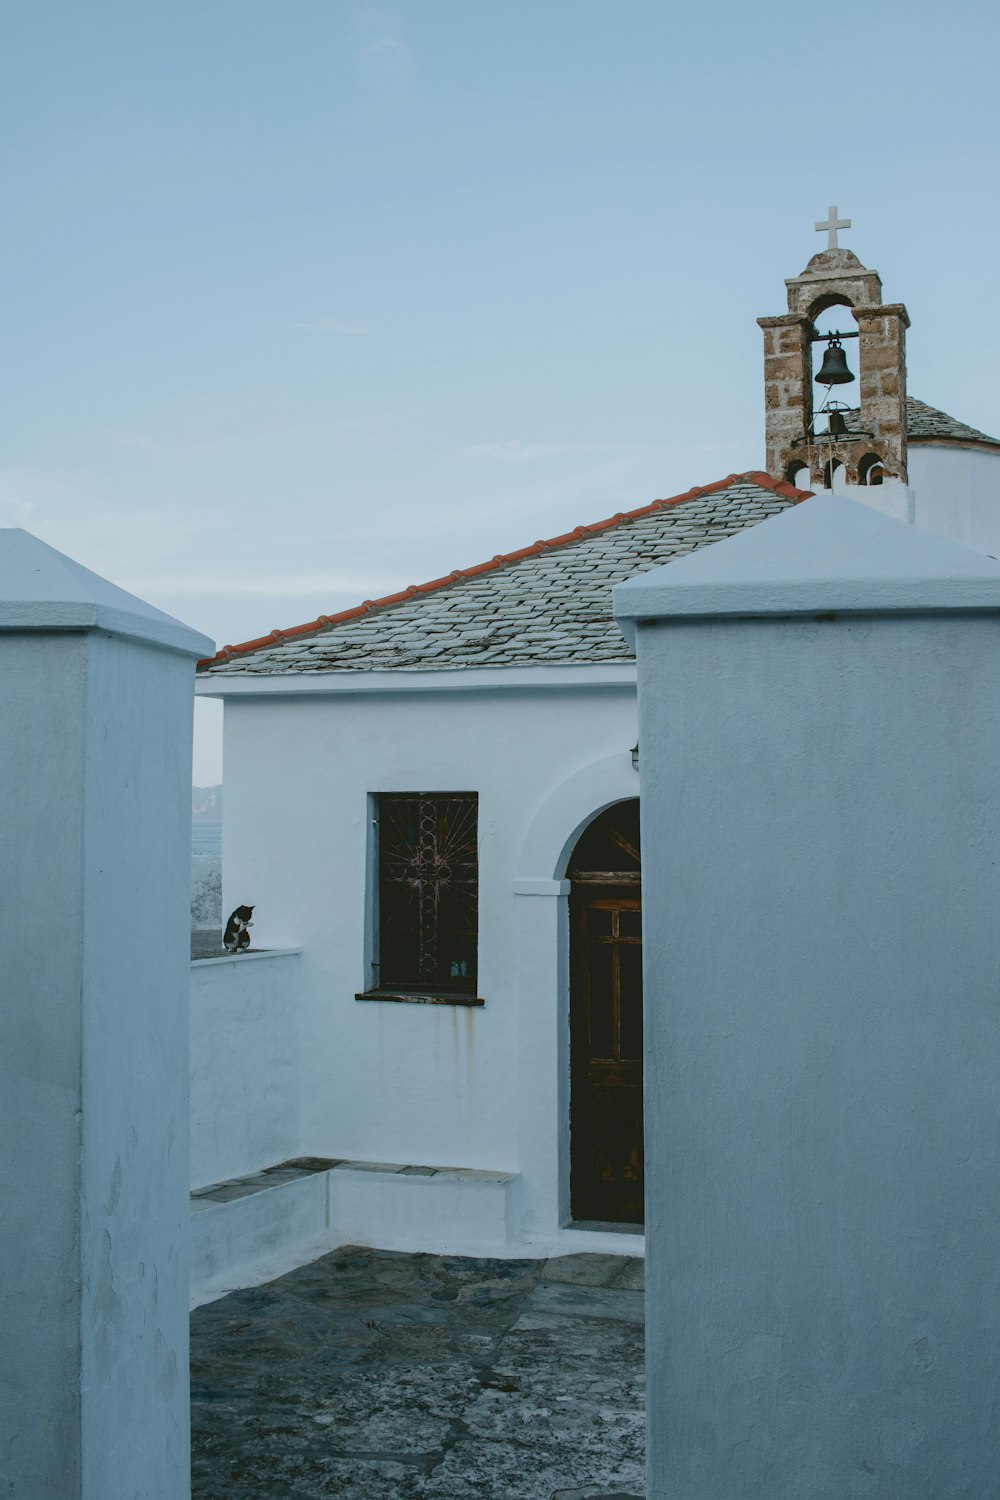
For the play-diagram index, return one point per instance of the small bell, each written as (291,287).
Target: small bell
(837,426)
(834,369)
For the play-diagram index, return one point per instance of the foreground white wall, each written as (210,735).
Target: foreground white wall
(95,755)
(820,714)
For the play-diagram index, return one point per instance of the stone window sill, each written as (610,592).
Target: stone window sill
(407,998)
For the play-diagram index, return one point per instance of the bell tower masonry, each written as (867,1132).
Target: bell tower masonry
(868,441)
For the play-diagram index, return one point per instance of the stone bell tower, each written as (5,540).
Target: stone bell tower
(872,443)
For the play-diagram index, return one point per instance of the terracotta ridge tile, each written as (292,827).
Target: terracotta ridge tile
(753,476)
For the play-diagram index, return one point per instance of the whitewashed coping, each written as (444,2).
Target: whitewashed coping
(825,557)
(42,589)
(243,958)
(417,680)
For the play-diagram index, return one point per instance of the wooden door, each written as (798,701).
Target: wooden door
(606,1162)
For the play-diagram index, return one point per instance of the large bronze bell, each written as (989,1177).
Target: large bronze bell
(833,370)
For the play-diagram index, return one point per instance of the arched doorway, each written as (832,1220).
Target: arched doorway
(606,1159)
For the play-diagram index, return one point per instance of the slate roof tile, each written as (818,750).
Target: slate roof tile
(926,424)
(550,602)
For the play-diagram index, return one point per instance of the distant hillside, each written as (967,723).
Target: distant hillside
(206,804)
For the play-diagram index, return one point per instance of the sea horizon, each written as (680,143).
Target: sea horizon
(206,840)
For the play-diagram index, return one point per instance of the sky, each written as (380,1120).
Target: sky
(308,300)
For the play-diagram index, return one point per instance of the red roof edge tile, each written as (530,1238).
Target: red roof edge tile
(755,476)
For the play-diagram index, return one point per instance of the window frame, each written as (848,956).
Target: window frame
(437,991)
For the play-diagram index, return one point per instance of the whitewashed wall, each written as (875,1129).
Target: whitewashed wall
(246,1053)
(429,1085)
(957,495)
(952,492)
(822,1105)
(95,756)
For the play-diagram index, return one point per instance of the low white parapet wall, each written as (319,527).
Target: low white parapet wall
(458,1210)
(253,1229)
(245,1051)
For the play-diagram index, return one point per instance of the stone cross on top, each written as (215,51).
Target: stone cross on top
(831,225)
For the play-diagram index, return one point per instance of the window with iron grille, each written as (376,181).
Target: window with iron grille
(428,893)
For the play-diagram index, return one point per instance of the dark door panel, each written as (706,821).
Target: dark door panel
(606,1162)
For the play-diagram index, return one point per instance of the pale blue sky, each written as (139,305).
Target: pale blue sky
(306,300)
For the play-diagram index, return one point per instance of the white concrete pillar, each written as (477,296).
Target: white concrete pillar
(540,1203)
(820,725)
(95,758)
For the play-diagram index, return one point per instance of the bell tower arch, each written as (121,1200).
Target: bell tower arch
(872,442)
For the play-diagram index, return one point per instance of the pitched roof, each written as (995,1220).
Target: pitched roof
(926,424)
(545,604)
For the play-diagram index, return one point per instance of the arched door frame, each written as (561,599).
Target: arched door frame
(541,892)
(605,1016)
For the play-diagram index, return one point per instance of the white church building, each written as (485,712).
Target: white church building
(432,805)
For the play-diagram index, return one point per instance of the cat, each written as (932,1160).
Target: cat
(237,934)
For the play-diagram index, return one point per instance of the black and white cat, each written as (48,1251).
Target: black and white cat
(237,934)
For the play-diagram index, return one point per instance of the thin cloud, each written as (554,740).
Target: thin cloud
(248,433)
(388,43)
(278,585)
(516,450)
(327,325)
(15,512)
(30,492)
(513,450)
(384,59)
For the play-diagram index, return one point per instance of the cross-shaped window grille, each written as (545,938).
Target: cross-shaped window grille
(428,889)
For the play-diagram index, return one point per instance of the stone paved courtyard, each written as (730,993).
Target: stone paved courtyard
(372,1374)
